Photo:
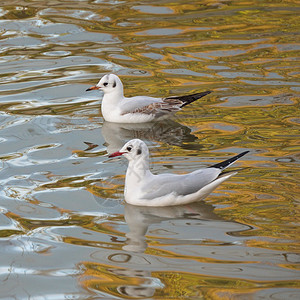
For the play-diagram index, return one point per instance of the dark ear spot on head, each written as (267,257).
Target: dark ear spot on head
(139,151)
(114,84)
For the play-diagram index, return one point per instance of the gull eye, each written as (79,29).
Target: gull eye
(128,148)
(105,83)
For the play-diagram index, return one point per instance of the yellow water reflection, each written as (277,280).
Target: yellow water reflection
(62,212)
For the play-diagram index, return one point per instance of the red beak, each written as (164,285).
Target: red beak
(118,153)
(93,88)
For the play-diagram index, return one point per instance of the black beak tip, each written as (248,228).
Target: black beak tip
(87,89)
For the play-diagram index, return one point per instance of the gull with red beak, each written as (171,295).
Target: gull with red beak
(146,189)
(117,108)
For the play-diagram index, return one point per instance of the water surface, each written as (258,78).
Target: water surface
(62,213)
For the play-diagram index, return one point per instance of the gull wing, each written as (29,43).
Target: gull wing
(137,104)
(158,106)
(149,105)
(181,185)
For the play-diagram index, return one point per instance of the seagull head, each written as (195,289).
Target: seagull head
(109,83)
(133,150)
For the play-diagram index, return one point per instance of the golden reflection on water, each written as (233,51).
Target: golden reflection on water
(62,198)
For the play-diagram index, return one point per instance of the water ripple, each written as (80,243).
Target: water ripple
(62,213)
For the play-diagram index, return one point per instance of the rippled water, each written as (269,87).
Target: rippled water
(63,217)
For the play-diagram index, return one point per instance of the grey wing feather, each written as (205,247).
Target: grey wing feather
(164,184)
(138,104)
(149,105)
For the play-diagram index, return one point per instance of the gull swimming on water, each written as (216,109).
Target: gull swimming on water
(146,189)
(117,108)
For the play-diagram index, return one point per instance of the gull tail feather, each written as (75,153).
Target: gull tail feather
(187,99)
(226,163)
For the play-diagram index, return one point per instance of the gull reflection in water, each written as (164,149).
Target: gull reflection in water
(139,218)
(147,283)
(192,224)
(167,131)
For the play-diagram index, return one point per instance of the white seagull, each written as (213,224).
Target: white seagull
(146,189)
(117,108)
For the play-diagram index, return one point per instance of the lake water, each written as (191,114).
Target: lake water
(65,230)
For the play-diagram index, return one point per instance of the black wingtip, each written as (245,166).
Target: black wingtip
(191,98)
(226,163)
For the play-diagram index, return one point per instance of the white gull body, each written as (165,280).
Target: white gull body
(117,108)
(146,189)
